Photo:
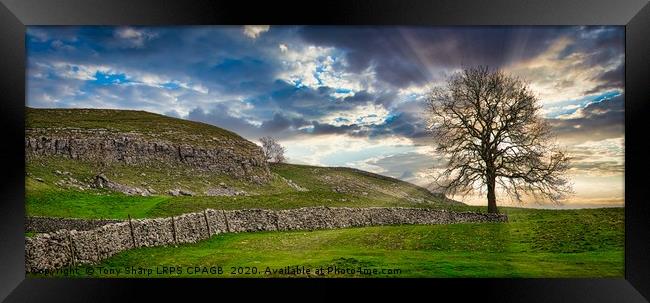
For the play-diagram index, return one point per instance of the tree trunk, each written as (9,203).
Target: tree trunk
(491,195)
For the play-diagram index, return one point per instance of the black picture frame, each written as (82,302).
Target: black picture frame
(15,15)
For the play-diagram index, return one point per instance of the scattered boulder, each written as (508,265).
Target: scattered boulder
(180,192)
(71,182)
(224,190)
(101,181)
(340,189)
(294,185)
(186,193)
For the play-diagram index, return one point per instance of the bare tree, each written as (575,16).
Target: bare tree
(489,128)
(273,151)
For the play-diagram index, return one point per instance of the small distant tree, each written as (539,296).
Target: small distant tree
(489,127)
(273,151)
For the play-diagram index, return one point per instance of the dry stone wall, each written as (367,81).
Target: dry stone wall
(51,224)
(49,251)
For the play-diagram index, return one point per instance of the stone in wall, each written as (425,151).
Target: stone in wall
(217,221)
(383,216)
(190,228)
(51,224)
(246,220)
(84,244)
(153,232)
(306,218)
(414,217)
(47,251)
(113,238)
(350,217)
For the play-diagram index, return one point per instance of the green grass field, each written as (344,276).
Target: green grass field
(45,198)
(535,243)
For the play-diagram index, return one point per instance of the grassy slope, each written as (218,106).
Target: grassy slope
(535,243)
(47,199)
(148,124)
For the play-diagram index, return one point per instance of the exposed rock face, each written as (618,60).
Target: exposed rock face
(236,158)
(50,251)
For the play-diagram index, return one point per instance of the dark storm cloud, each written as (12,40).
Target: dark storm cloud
(281,123)
(401,55)
(278,123)
(219,58)
(612,79)
(236,70)
(325,128)
(408,55)
(403,125)
(308,102)
(597,121)
(220,117)
(279,126)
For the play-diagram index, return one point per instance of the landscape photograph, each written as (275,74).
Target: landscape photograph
(268,151)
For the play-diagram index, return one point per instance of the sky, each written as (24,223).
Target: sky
(344,95)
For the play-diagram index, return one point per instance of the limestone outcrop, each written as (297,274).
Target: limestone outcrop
(241,159)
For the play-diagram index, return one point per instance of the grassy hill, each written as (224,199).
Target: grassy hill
(145,123)
(63,187)
(319,186)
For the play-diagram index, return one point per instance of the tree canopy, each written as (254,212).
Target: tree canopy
(489,128)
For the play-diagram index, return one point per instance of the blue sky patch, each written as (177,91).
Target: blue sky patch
(109,79)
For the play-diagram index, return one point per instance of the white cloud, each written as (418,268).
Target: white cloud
(60,45)
(598,158)
(254,31)
(556,78)
(134,38)
(316,66)
(87,72)
(78,71)
(363,115)
(334,149)
(37,34)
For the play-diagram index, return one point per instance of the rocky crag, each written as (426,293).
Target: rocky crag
(208,149)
